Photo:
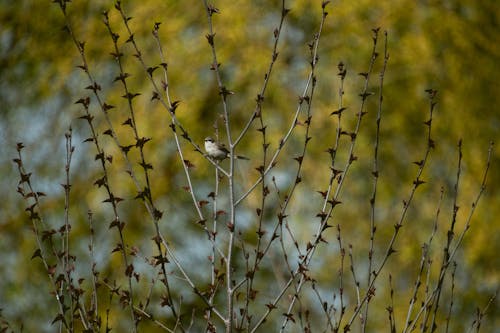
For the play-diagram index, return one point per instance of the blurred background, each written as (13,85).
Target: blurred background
(451,46)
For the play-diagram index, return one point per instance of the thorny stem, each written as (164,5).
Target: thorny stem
(299,159)
(25,188)
(260,96)
(111,198)
(232,224)
(258,113)
(416,183)
(94,304)
(145,194)
(424,259)
(304,97)
(325,216)
(375,173)
(65,246)
(446,251)
(432,295)
(265,170)
(481,314)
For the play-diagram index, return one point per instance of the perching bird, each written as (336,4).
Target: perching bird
(218,151)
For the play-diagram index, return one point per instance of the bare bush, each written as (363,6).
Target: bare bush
(255,247)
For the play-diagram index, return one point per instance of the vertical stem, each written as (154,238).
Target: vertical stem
(224,92)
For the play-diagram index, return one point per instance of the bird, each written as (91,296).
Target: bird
(218,151)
